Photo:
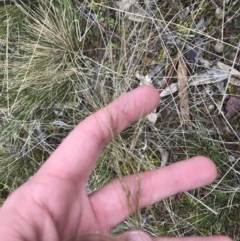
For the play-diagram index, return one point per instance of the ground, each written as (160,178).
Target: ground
(61,60)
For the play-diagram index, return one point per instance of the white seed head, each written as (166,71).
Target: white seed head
(219,13)
(218,47)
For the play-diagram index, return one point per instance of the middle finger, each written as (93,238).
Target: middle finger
(117,200)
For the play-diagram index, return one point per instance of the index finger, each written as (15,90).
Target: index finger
(78,153)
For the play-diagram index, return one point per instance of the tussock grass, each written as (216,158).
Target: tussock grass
(62,60)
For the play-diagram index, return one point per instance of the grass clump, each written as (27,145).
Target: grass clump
(62,60)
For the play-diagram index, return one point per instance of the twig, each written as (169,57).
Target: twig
(183,91)
(169,75)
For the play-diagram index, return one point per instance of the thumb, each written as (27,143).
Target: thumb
(138,235)
(135,235)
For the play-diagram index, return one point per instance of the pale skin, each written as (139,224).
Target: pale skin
(54,204)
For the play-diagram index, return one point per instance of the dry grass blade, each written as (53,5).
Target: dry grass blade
(182,76)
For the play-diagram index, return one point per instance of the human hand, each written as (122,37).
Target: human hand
(54,204)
